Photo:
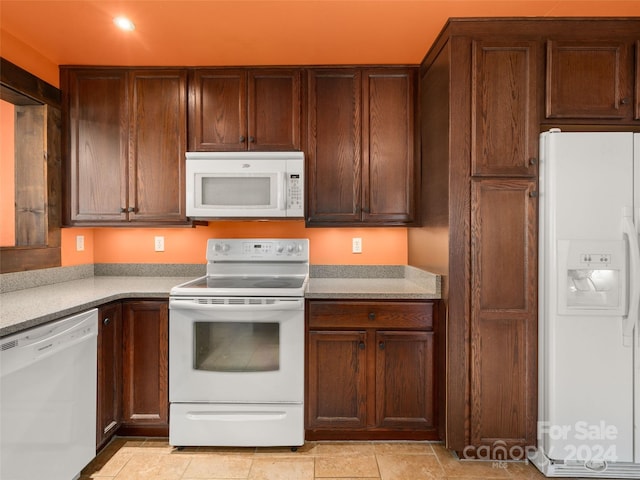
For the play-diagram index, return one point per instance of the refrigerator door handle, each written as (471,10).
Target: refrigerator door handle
(630,321)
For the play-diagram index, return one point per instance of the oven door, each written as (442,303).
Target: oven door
(236,350)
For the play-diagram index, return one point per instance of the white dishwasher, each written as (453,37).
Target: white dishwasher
(48,399)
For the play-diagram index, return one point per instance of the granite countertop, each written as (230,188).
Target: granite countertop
(29,305)
(22,309)
(369,288)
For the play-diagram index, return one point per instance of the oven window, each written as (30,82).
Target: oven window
(236,346)
(237,191)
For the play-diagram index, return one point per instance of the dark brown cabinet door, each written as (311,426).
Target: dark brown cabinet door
(239,109)
(97,122)
(589,79)
(388,167)
(274,110)
(360,133)
(504,127)
(109,404)
(503,325)
(334,146)
(636,115)
(337,382)
(127,138)
(405,367)
(145,366)
(218,110)
(157,146)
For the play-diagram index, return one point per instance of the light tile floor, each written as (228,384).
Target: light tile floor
(155,459)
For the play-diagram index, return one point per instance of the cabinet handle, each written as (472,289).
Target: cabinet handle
(361,345)
(533,161)
(252,139)
(533,194)
(106,321)
(372,315)
(242,138)
(381,345)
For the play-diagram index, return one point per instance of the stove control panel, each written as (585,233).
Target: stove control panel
(288,249)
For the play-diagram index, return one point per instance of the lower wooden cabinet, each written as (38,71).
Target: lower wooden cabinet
(109,404)
(145,373)
(370,370)
(133,369)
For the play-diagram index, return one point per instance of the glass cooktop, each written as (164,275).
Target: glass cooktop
(241,282)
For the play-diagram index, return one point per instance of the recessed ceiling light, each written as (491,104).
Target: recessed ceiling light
(124,23)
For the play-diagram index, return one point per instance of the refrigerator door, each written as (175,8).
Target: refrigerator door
(586,412)
(636,331)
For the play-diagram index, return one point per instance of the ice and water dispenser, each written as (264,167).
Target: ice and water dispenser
(592,277)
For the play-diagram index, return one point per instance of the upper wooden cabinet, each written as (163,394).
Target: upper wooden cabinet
(504,108)
(360,134)
(125,134)
(590,79)
(239,109)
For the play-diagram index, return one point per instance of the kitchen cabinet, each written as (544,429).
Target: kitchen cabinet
(109,404)
(590,79)
(488,87)
(360,135)
(125,134)
(145,338)
(371,370)
(244,109)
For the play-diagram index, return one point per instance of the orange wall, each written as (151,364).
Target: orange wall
(7,182)
(383,246)
(27,58)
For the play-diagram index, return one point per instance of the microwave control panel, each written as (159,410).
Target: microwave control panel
(294,191)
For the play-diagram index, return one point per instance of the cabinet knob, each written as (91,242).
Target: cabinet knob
(123,210)
(625,101)
(372,315)
(533,161)
(242,139)
(381,345)
(361,345)
(131,209)
(106,321)
(533,194)
(252,139)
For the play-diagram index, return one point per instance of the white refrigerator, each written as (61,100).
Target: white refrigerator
(589,289)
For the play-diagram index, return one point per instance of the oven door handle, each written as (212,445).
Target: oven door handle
(195,304)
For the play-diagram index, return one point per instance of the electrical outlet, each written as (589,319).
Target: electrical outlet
(356,245)
(80,243)
(159,244)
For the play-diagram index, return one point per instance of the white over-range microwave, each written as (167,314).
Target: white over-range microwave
(245,184)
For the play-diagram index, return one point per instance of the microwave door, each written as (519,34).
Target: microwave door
(239,195)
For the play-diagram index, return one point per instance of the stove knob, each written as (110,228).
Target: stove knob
(280,248)
(222,247)
(290,248)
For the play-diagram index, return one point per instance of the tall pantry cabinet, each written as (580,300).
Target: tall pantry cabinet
(488,87)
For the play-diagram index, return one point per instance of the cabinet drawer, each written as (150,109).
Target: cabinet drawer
(339,314)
